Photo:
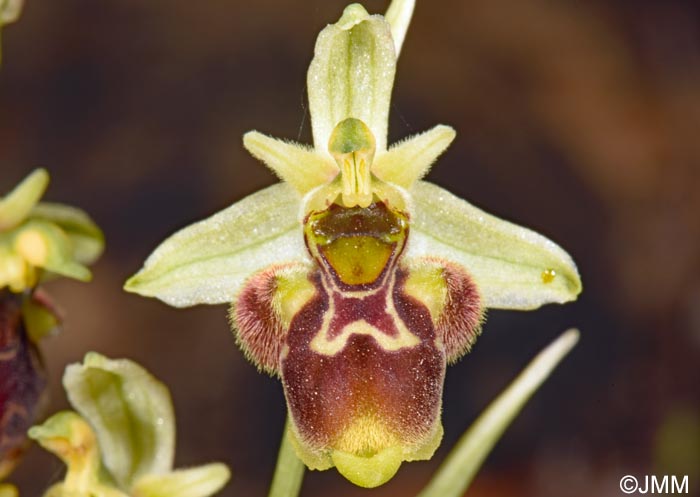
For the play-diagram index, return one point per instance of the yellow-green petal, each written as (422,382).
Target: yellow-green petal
(16,205)
(201,481)
(131,413)
(513,267)
(207,262)
(409,160)
(298,165)
(351,75)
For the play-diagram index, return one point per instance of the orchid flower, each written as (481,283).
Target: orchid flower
(354,281)
(121,440)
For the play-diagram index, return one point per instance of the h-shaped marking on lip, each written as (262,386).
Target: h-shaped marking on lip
(323,344)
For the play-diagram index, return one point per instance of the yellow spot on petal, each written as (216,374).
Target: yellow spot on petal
(33,247)
(426,284)
(548,275)
(293,292)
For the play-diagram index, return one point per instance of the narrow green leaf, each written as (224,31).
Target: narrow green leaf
(457,471)
(351,75)
(15,207)
(289,472)
(131,413)
(86,237)
(201,481)
(207,262)
(514,267)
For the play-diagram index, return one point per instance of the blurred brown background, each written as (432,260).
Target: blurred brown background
(578,119)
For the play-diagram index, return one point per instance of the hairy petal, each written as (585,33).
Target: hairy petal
(351,75)
(298,165)
(409,160)
(513,267)
(208,262)
(263,310)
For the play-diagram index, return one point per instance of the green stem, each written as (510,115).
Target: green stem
(457,472)
(289,472)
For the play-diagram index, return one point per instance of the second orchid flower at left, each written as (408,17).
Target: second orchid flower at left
(38,241)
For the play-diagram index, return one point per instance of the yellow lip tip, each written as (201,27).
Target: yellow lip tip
(371,471)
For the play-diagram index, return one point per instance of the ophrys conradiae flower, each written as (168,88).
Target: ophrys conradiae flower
(354,281)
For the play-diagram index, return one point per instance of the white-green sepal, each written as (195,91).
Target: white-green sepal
(351,75)
(207,262)
(513,267)
(201,481)
(131,413)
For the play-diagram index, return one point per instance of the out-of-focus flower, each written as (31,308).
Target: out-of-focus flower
(9,12)
(353,281)
(121,440)
(42,240)
(37,241)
